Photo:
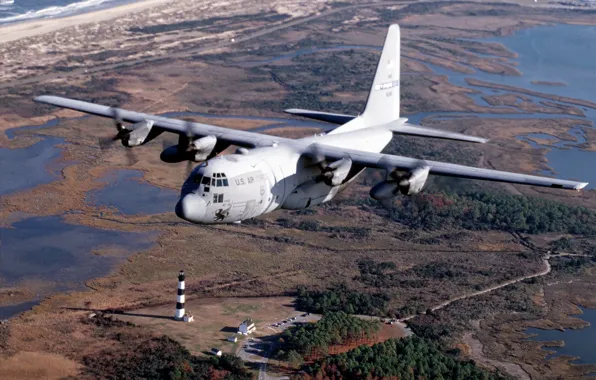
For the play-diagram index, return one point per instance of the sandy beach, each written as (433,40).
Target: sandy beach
(14,32)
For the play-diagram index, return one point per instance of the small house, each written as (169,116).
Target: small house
(246,327)
(216,351)
(188,317)
(233,338)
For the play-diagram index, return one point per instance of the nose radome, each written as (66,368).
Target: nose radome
(191,207)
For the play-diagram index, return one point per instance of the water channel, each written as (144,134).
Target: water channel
(32,248)
(579,343)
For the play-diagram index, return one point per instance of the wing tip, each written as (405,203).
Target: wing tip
(47,99)
(581,185)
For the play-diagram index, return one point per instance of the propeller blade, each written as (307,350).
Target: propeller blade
(165,143)
(131,157)
(106,142)
(188,168)
(117,119)
(188,131)
(387,204)
(317,158)
(188,126)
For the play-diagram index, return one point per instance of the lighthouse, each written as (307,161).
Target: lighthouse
(179,316)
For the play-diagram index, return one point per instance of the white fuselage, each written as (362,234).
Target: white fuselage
(235,187)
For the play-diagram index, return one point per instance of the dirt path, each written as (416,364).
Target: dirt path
(543,272)
(475,345)
(526,243)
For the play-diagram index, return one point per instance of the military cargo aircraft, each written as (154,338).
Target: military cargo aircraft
(267,173)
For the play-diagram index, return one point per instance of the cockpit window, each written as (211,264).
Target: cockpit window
(216,180)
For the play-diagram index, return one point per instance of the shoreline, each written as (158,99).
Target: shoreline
(36,27)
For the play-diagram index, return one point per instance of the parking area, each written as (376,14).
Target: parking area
(257,349)
(283,324)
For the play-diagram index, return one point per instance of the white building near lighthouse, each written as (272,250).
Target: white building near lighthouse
(246,327)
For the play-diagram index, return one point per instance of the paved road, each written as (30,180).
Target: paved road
(258,350)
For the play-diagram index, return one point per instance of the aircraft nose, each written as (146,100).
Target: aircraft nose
(191,207)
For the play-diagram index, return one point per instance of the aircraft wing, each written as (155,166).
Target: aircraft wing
(233,136)
(333,118)
(387,161)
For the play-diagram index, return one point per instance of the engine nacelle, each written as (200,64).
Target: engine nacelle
(336,172)
(203,147)
(139,133)
(413,182)
(172,155)
(199,150)
(409,184)
(308,194)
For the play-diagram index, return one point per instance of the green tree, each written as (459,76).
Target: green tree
(294,358)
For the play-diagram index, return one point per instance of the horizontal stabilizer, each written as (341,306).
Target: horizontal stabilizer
(401,128)
(334,118)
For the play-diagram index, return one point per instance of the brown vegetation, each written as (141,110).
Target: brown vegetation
(268,257)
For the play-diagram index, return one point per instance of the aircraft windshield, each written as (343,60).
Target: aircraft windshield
(207,181)
(217,180)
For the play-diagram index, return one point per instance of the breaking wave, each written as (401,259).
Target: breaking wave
(54,11)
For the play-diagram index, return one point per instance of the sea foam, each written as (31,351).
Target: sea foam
(54,11)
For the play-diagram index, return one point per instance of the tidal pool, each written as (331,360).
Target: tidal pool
(51,251)
(578,342)
(127,192)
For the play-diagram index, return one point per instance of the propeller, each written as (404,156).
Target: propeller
(189,151)
(121,135)
(391,175)
(319,160)
(387,204)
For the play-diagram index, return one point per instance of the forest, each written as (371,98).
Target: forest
(486,211)
(312,340)
(164,358)
(340,298)
(404,359)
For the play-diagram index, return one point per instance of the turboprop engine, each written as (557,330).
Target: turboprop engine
(202,148)
(336,172)
(408,184)
(130,135)
(138,133)
(186,149)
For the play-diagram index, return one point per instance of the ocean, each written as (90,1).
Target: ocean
(12,11)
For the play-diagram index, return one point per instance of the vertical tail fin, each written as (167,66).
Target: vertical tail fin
(382,105)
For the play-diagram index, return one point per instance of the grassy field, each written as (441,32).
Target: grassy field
(215,319)
(274,254)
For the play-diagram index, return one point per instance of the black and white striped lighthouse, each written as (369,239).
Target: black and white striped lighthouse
(179,316)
